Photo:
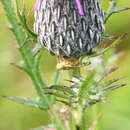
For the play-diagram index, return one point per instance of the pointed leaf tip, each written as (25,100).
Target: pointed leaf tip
(27,102)
(114,87)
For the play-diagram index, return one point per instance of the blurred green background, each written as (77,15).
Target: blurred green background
(13,116)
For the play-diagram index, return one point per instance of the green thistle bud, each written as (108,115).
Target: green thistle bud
(64,32)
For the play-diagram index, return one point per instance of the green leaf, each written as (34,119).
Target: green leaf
(24,67)
(108,83)
(117,41)
(60,95)
(121,9)
(55,81)
(83,91)
(113,9)
(27,102)
(22,19)
(108,36)
(106,90)
(18,32)
(65,102)
(26,51)
(21,65)
(63,89)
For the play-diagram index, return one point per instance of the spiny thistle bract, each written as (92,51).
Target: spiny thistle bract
(64,32)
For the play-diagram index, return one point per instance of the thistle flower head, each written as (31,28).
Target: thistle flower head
(77,2)
(67,30)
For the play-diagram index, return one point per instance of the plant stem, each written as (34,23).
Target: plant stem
(30,64)
(56,119)
(74,72)
(84,120)
(57,77)
(97,111)
(37,60)
(72,122)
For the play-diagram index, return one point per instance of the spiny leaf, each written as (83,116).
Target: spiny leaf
(59,95)
(117,41)
(113,9)
(63,89)
(37,103)
(56,80)
(27,102)
(18,31)
(108,83)
(8,6)
(26,51)
(113,88)
(108,36)
(24,23)
(113,69)
(17,66)
(85,85)
(75,82)
(120,9)
(21,65)
(28,39)
(66,103)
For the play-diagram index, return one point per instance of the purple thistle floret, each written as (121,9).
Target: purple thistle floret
(79,6)
(36,5)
